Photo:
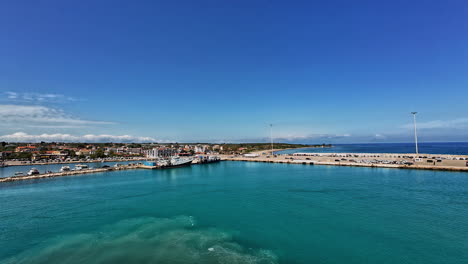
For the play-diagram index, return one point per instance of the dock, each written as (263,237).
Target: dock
(86,171)
(62,174)
(384,160)
(374,160)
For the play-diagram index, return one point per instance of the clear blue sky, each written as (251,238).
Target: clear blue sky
(319,71)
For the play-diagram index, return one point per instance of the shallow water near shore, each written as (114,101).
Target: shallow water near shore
(238,212)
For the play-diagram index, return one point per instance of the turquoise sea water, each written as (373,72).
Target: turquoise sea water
(238,212)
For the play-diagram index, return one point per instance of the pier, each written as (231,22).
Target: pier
(66,173)
(376,160)
(131,166)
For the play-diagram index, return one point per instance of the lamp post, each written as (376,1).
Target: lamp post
(415,132)
(271,138)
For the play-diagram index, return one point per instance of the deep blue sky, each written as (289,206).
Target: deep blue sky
(319,71)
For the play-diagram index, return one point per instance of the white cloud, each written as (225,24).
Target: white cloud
(380,136)
(11,95)
(454,123)
(24,137)
(41,116)
(37,97)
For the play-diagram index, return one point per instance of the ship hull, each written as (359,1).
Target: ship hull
(188,163)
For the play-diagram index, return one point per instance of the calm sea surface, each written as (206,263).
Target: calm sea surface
(238,212)
(456,148)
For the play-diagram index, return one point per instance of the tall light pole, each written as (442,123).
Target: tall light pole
(415,132)
(271,138)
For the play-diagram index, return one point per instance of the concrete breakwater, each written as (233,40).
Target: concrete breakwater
(330,161)
(66,173)
(458,165)
(29,163)
(83,171)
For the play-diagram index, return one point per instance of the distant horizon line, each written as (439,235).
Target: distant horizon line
(220,143)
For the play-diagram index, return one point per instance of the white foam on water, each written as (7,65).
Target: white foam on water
(146,240)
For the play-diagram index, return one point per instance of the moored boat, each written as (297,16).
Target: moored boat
(81,167)
(33,171)
(65,168)
(175,161)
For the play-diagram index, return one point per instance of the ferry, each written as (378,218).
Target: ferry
(33,171)
(81,167)
(175,161)
(65,168)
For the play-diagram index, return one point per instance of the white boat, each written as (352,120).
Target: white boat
(162,163)
(33,171)
(81,167)
(65,168)
(177,161)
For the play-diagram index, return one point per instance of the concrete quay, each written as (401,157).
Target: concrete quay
(66,173)
(29,163)
(83,171)
(400,161)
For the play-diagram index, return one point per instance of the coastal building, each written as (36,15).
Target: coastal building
(134,151)
(50,155)
(199,149)
(29,148)
(160,152)
(85,152)
(151,153)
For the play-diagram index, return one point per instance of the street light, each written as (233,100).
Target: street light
(271,138)
(415,133)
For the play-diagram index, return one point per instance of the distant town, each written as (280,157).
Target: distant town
(65,152)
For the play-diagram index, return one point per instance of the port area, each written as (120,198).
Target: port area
(30,163)
(120,167)
(66,173)
(379,160)
(151,165)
